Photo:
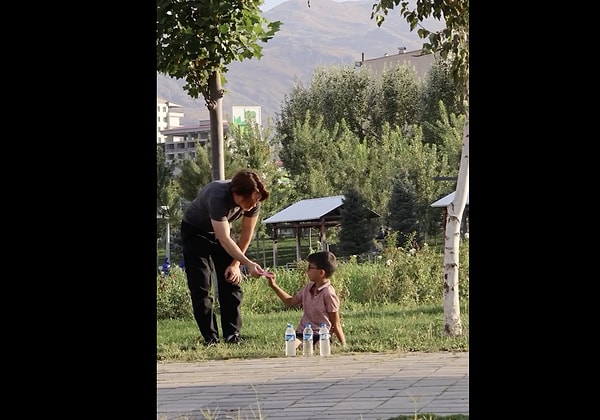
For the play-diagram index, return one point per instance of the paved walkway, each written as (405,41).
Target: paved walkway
(362,386)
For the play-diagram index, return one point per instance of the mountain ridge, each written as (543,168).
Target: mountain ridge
(326,34)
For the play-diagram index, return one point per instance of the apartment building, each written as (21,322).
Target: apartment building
(178,141)
(421,62)
(168,115)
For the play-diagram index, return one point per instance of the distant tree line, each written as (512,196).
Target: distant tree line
(378,139)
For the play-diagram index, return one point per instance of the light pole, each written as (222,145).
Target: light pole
(165,215)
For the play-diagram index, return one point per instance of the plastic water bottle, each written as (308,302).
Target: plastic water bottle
(324,344)
(290,340)
(307,340)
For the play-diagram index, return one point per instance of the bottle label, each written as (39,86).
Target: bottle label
(290,337)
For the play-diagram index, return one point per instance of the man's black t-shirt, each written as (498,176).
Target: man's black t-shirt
(214,202)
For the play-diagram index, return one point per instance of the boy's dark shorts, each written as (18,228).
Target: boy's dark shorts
(299,336)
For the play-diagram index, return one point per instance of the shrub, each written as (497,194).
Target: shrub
(407,276)
(172,296)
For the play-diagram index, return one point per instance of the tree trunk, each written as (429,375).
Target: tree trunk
(215,108)
(454,213)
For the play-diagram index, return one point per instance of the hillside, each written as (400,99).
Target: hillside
(328,33)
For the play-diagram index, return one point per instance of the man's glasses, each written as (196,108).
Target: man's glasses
(312,268)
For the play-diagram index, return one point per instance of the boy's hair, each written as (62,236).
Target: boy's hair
(325,260)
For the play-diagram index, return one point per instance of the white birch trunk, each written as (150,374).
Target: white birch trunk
(454,213)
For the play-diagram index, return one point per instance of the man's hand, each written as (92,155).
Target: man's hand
(255,270)
(233,274)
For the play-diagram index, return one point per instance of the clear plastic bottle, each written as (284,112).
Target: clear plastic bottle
(290,340)
(324,344)
(307,340)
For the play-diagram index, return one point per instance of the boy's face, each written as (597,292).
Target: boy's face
(313,272)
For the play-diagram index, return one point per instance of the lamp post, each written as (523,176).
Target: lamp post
(165,215)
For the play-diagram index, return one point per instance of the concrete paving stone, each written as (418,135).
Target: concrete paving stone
(345,387)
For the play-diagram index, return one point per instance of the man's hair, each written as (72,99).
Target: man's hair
(247,181)
(325,260)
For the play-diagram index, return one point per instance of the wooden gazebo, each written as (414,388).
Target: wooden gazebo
(318,213)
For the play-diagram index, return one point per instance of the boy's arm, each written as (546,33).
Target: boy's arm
(336,327)
(282,294)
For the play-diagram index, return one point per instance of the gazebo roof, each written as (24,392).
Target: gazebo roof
(312,211)
(444,201)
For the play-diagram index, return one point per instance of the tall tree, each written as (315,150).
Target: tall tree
(334,93)
(396,99)
(439,86)
(356,236)
(452,43)
(195,172)
(197,40)
(403,210)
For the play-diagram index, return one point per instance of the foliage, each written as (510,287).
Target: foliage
(451,43)
(196,39)
(334,94)
(164,175)
(447,133)
(172,295)
(356,235)
(195,172)
(403,209)
(316,151)
(396,98)
(405,275)
(167,194)
(439,96)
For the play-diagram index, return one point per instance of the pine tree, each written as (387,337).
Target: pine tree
(355,234)
(403,211)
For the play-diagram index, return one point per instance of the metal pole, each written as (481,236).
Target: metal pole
(168,241)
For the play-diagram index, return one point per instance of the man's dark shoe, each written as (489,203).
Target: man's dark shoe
(212,343)
(234,339)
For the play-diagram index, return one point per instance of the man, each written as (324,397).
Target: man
(206,237)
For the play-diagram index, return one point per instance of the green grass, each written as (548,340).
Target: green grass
(393,304)
(368,328)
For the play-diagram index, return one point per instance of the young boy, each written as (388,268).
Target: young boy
(320,304)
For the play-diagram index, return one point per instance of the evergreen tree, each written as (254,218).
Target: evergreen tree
(403,211)
(355,236)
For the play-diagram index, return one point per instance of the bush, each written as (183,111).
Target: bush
(172,296)
(407,276)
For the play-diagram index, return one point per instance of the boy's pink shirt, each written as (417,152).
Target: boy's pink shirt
(315,309)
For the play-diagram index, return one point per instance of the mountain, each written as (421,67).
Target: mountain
(328,33)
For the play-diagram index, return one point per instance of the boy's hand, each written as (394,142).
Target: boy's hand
(269,275)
